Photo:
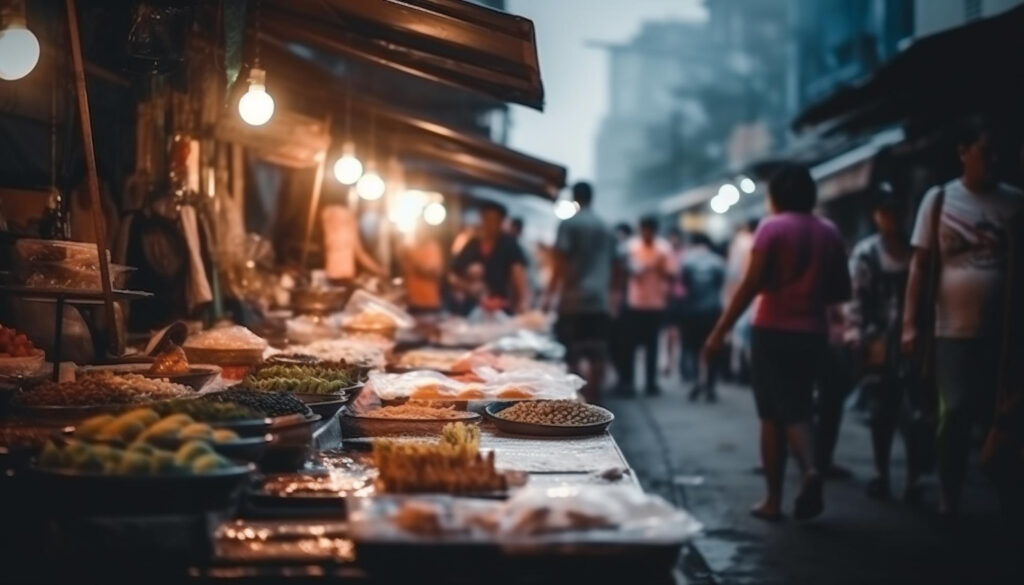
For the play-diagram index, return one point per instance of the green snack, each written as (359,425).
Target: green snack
(134,464)
(201,410)
(142,448)
(124,430)
(196,431)
(87,462)
(146,416)
(207,463)
(299,372)
(162,463)
(51,456)
(92,426)
(224,435)
(191,451)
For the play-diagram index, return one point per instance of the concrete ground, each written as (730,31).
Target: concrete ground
(704,457)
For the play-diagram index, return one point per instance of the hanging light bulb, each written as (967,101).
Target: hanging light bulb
(348,168)
(370,186)
(19,48)
(434,213)
(564,209)
(256,107)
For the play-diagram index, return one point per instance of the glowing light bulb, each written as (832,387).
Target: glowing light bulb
(564,209)
(19,50)
(434,213)
(729,193)
(256,107)
(370,186)
(348,169)
(720,204)
(747,185)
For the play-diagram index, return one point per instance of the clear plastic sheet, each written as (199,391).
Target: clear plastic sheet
(578,514)
(362,303)
(527,343)
(519,384)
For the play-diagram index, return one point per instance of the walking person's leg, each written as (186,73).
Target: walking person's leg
(886,402)
(772,440)
(705,324)
(630,335)
(652,328)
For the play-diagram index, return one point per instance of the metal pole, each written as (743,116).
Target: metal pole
(314,199)
(92,182)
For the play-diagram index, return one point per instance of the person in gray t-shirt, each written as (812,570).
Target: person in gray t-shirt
(583,256)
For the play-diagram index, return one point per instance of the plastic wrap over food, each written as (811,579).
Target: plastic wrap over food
(309,328)
(367,311)
(529,343)
(359,352)
(561,514)
(425,384)
(428,385)
(478,329)
(233,337)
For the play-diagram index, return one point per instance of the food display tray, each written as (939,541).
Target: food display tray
(139,494)
(543,430)
(365,426)
(197,376)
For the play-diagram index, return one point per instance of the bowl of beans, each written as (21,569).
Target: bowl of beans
(549,418)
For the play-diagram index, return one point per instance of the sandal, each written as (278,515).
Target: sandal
(760,514)
(810,502)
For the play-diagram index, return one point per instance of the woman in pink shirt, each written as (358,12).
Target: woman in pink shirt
(797,269)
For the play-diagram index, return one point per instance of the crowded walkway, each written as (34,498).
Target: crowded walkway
(705,458)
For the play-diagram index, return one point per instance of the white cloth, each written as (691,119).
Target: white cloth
(973,241)
(197,289)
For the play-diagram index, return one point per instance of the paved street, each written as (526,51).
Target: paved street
(704,456)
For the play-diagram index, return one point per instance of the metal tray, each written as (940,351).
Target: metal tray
(366,426)
(541,430)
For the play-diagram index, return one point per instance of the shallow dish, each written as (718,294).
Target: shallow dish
(197,376)
(326,405)
(544,430)
(242,448)
(368,426)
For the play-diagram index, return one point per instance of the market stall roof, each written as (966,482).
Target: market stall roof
(447,41)
(423,144)
(955,72)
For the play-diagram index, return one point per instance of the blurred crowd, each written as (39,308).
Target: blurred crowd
(916,325)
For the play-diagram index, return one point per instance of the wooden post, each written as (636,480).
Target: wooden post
(92,181)
(314,198)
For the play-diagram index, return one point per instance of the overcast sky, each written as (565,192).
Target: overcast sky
(575,74)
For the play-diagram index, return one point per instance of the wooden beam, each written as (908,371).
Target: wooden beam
(92,181)
(314,198)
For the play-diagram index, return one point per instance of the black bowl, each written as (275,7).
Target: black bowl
(140,494)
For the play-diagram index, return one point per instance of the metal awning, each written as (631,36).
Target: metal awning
(447,41)
(956,72)
(422,144)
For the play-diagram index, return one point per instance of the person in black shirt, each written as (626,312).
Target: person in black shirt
(491,267)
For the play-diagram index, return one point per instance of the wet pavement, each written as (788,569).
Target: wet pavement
(704,457)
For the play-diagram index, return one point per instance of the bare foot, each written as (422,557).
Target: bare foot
(767,511)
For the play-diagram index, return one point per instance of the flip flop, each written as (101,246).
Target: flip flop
(810,502)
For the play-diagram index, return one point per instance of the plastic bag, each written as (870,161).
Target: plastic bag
(529,343)
(363,304)
(539,384)
(420,385)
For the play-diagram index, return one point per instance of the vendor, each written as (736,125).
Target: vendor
(422,266)
(491,269)
(343,251)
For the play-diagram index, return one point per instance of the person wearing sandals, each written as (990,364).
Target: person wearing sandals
(797,268)
(878,268)
(961,242)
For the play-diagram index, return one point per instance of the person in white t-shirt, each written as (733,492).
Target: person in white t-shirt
(975,212)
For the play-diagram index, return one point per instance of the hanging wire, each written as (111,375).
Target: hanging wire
(259,31)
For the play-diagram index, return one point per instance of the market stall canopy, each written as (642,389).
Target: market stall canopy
(953,73)
(447,41)
(424,145)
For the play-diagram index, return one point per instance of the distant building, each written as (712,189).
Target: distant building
(834,43)
(687,100)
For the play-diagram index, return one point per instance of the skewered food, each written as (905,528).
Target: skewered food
(555,412)
(452,465)
(102,388)
(265,403)
(172,361)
